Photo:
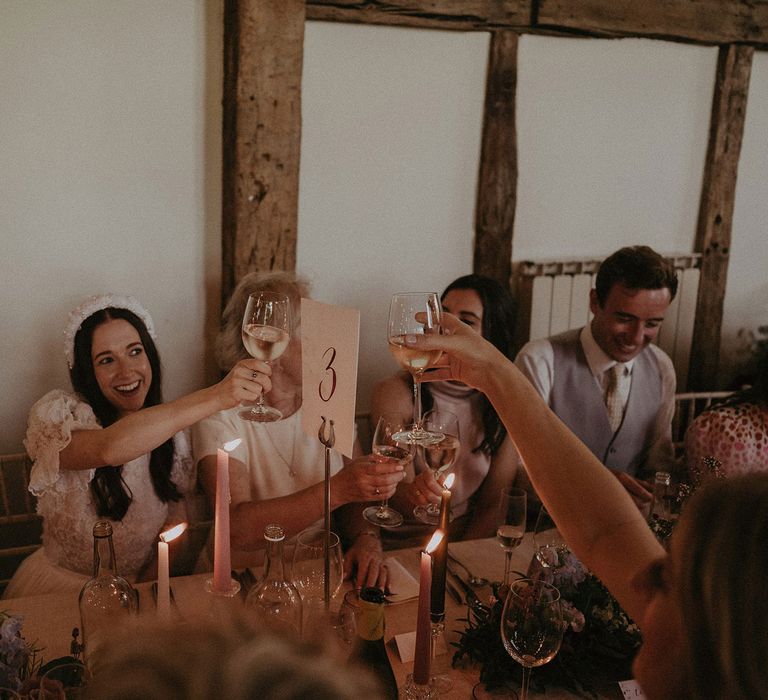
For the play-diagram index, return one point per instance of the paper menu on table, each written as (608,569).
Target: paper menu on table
(330,338)
(630,690)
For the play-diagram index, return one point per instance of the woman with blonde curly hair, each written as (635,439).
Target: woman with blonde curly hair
(277,472)
(701,607)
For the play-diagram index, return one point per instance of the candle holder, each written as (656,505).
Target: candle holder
(440,681)
(418,691)
(234,588)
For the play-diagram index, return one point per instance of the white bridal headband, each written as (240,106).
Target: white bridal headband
(96,303)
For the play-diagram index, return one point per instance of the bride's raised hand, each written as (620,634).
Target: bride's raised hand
(245,382)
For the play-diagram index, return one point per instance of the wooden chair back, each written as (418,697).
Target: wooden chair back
(20,526)
(688,405)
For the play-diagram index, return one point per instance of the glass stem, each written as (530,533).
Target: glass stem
(525,683)
(416,402)
(507,567)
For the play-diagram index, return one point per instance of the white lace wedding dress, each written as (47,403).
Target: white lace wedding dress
(65,501)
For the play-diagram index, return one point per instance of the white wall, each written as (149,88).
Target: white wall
(106,181)
(110,162)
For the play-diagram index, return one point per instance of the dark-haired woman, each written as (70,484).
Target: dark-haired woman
(113,450)
(487,460)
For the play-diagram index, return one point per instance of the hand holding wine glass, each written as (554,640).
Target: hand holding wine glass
(531,625)
(387,449)
(266,332)
(440,456)
(403,325)
(510,523)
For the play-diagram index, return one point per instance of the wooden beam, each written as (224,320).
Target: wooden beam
(497,179)
(263,51)
(699,21)
(713,230)
(464,15)
(694,21)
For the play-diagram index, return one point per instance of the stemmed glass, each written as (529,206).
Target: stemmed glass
(531,626)
(548,543)
(510,523)
(388,450)
(266,331)
(438,456)
(308,567)
(403,325)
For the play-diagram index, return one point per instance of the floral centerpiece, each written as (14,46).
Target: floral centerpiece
(21,665)
(598,646)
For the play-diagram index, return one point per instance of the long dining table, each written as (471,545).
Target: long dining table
(49,619)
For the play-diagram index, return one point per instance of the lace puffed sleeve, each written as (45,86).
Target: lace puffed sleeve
(49,430)
(183,471)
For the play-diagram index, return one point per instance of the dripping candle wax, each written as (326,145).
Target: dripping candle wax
(421,660)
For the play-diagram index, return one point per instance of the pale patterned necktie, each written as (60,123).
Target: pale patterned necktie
(613,400)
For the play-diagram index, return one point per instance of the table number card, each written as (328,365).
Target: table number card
(330,338)
(631,690)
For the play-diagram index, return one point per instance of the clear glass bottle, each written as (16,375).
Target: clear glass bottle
(106,600)
(370,650)
(274,600)
(661,508)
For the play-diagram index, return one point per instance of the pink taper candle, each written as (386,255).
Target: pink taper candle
(422,654)
(222,568)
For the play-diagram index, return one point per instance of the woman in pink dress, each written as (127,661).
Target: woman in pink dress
(731,437)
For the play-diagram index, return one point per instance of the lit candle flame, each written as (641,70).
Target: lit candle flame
(173,533)
(449,481)
(437,538)
(232,444)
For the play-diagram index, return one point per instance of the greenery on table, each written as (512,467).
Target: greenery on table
(599,643)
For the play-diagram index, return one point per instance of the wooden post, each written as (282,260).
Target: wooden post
(497,180)
(713,230)
(263,51)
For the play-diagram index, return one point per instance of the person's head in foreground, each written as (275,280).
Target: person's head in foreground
(633,289)
(223,659)
(705,627)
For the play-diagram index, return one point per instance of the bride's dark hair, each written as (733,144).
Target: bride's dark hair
(111,493)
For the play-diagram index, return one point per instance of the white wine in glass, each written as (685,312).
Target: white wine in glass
(266,332)
(403,325)
(440,456)
(387,449)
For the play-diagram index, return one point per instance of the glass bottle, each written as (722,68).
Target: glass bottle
(106,600)
(275,601)
(370,650)
(661,503)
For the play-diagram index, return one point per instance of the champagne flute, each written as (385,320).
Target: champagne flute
(510,523)
(388,450)
(403,326)
(531,625)
(266,331)
(440,456)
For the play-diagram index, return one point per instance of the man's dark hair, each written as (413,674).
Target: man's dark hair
(635,267)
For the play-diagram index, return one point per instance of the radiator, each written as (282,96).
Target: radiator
(553,296)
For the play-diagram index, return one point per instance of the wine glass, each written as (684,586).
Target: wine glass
(510,523)
(403,325)
(531,625)
(388,449)
(308,568)
(438,456)
(266,331)
(548,543)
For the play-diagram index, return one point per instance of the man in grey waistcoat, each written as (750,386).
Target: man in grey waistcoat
(607,381)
